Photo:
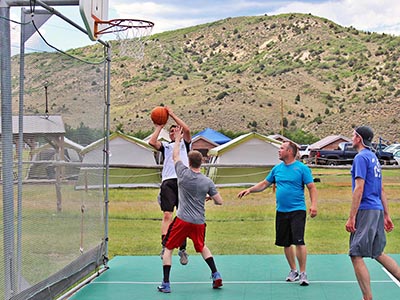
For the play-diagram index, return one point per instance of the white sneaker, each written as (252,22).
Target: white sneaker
(293,276)
(303,279)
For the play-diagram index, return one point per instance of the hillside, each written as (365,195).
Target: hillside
(247,73)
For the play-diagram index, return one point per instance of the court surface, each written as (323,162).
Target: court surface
(244,277)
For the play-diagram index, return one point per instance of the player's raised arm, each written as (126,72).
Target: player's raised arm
(178,136)
(184,127)
(153,141)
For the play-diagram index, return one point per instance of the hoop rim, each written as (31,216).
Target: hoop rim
(122,25)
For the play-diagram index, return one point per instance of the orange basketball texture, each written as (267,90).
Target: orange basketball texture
(159,115)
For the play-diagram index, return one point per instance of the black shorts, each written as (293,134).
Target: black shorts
(290,228)
(169,194)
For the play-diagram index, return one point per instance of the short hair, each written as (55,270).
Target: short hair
(292,146)
(172,126)
(195,158)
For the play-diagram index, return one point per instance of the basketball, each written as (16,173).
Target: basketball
(159,115)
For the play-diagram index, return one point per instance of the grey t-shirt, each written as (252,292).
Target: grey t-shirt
(193,188)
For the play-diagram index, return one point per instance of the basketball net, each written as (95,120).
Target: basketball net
(130,35)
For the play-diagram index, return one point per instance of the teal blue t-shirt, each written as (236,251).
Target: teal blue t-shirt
(290,181)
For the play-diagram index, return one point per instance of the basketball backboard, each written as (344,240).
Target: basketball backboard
(92,11)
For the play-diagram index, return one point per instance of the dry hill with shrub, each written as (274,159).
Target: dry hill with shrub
(251,73)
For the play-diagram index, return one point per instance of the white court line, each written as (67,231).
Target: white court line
(391,277)
(238,282)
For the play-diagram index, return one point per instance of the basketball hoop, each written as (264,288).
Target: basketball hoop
(130,34)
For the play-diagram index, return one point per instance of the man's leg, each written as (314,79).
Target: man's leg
(216,276)
(390,264)
(363,278)
(165,222)
(290,257)
(301,254)
(167,261)
(167,258)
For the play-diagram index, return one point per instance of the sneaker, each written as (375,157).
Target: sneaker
(217,280)
(303,279)
(293,276)
(162,252)
(164,287)
(183,257)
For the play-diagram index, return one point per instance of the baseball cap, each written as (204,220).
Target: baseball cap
(366,135)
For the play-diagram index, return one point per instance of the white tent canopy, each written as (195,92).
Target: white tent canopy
(244,160)
(132,162)
(250,148)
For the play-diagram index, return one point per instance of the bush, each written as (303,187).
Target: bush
(222,95)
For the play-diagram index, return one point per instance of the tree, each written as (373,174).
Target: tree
(83,135)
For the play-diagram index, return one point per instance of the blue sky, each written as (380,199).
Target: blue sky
(369,15)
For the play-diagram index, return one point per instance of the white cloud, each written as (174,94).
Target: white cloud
(368,15)
(168,15)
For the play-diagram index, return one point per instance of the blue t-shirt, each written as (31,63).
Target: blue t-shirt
(290,181)
(366,166)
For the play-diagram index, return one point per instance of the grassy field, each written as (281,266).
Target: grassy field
(52,239)
(246,226)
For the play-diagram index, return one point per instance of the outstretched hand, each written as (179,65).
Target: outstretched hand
(178,133)
(243,193)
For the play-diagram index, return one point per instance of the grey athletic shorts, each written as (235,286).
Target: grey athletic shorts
(369,240)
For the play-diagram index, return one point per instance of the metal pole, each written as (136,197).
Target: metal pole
(7,153)
(48,2)
(107,146)
(20,149)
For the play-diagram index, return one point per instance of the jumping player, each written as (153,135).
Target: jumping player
(194,190)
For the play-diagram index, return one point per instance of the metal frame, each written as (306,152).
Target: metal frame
(10,285)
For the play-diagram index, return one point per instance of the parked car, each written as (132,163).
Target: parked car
(379,146)
(385,158)
(396,156)
(392,148)
(345,155)
(304,151)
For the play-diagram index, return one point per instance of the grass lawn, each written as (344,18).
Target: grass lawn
(246,226)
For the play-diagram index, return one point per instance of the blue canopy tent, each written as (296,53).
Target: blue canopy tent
(213,136)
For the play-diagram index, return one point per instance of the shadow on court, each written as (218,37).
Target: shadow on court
(244,277)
